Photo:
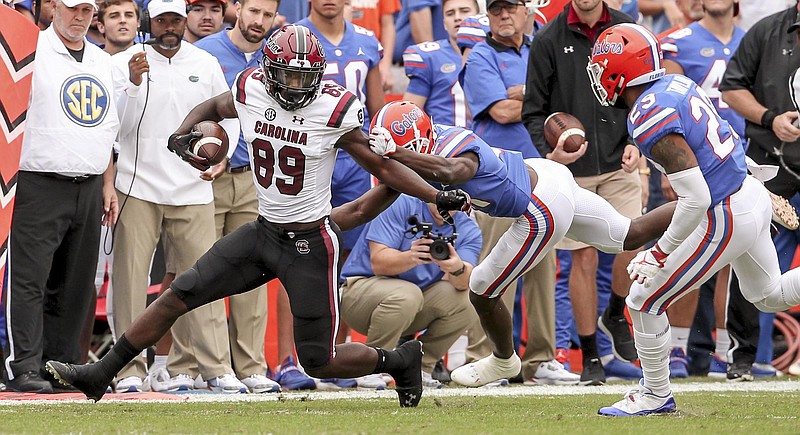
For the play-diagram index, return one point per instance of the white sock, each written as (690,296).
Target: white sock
(159,361)
(723,342)
(605,359)
(506,362)
(651,334)
(680,337)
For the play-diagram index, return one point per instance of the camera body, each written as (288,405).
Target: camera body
(439,248)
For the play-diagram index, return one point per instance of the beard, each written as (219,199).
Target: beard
(250,36)
(716,13)
(168,45)
(68,32)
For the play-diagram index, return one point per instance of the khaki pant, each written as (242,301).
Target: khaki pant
(199,339)
(235,204)
(538,289)
(384,309)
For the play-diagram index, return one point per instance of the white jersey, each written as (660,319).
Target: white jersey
(292,154)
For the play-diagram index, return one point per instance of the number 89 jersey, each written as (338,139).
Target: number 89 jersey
(292,154)
(675,104)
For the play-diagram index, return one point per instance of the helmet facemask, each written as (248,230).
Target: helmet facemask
(293,66)
(293,87)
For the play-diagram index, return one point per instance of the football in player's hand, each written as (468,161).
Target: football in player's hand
(214,143)
(563,124)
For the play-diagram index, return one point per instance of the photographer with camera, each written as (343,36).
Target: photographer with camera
(408,272)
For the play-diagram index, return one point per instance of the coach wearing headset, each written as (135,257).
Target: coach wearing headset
(157,85)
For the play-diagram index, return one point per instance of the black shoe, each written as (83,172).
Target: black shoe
(409,379)
(619,332)
(593,373)
(740,372)
(517,379)
(85,377)
(30,382)
(440,373)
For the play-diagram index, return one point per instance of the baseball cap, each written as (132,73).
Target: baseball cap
(489,3)
(73,3)
(158,7)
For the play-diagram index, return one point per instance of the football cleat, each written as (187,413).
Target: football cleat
(409,379)
(86,378)
(640,401)
(783,213)
(486,370)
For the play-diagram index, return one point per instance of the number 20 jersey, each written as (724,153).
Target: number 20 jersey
(292,154)
(675,104)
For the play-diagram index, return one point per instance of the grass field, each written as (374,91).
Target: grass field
(713,408)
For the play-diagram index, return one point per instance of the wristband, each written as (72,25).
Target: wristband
(460,271)
(644,171)
(767,118)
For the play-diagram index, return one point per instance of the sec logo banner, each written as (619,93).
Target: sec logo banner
(85,100)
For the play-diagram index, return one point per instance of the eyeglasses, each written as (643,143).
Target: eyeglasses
(497,9)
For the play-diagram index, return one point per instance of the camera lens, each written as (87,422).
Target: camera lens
(440,250)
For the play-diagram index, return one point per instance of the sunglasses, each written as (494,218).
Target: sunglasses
(497,9)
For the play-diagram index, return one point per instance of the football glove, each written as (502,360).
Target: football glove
(181,145)
(447,200)
(646,264)
(381,142)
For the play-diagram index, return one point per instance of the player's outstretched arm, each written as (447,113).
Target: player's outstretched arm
(364,208)
(394,174)
(214,109)
(454,170)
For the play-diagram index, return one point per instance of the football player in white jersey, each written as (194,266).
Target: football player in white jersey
(293,146)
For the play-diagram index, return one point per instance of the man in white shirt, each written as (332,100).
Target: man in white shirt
(157,85)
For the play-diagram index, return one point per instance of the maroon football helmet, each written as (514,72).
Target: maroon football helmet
(294,63)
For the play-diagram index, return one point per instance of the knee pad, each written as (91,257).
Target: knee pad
(313,356)
(771,304)
(184,286)
(649,324)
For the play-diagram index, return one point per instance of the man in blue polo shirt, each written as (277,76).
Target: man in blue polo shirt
(494,79)
(235,201)
(393,286)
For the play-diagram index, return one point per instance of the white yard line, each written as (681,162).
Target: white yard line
(540,390)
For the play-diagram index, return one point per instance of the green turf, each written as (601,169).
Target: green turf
(700,413)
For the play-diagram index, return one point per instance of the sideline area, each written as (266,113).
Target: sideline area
(11,398)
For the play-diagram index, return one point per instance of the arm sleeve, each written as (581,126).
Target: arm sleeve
(694,199)
(483,84)
(536,102)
